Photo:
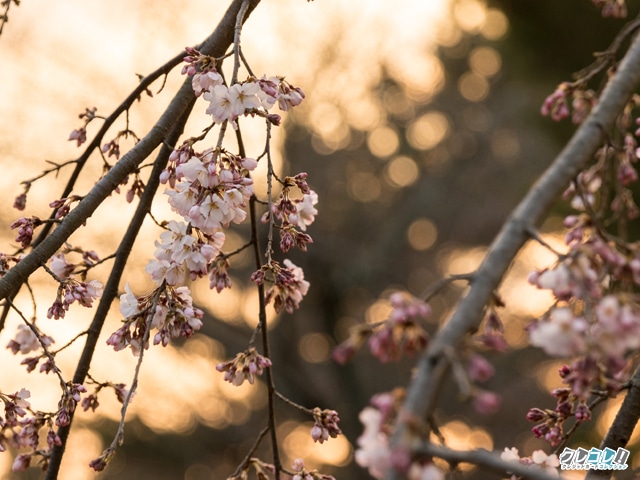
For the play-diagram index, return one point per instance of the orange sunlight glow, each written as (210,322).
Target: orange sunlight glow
(59,58)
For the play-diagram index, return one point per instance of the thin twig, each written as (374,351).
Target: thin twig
(245,461)
(49,355)
(236,40)
(293,404)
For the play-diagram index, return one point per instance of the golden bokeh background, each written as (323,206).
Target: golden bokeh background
(60,57)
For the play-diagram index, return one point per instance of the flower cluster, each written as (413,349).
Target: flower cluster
(595,320)
(302,473)
(325,425)
(251,97)
(400,333)
(294,215)
(549,463)
(569,405)
(289,285)
(26,341)
(212,188)
(70,291)
(91,401)
(374,451)
(80,134)
(170,311)
(21,427)
(245,366)
(178,251)
(556,105)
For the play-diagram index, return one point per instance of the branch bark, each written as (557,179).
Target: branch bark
(422,392)
(486,459)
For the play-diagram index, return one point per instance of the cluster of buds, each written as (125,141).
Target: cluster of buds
(293,215)
(23,431)
(80,134)
(289,285)
(556,104)
(70,291)
(549,422)
(325,425)
(170,311)
(63,206)
(91,401)
(218,272)
(4,262)
(26,226)
(400,333)
(245,366)
(68,402)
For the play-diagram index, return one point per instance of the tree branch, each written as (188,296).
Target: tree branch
(422,392)
(486,459)
(623,425)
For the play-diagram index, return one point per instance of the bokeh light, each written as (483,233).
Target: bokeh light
(402,171)
(428,130)
(422,234)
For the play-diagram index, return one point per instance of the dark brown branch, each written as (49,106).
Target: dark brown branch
(432,366)
(622,427)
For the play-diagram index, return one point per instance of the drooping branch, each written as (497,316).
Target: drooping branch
(181,106)
(432,366)
(111,288)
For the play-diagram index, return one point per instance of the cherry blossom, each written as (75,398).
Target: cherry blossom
(245,366)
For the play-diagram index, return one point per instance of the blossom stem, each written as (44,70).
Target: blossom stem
(262,315)
(293,404)
(236,40)
(119,436)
